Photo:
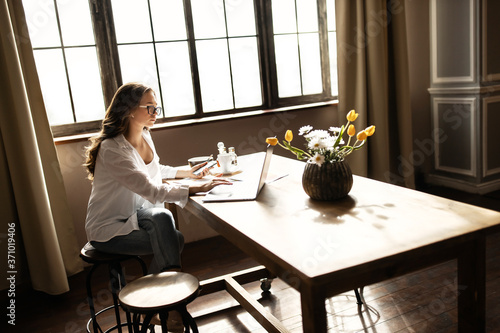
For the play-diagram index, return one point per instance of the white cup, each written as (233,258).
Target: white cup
(225,162)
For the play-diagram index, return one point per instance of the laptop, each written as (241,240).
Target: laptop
(250,183)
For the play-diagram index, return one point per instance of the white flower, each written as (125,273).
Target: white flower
(305,129)
(335,130)
(317,159)
(317,143)
(329,142)
(321,134)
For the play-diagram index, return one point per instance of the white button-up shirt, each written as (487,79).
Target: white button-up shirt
(123,184)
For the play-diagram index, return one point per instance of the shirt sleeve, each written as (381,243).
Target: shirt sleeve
(167,172)
(124,169)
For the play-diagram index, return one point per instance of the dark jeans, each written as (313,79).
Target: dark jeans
(157,236)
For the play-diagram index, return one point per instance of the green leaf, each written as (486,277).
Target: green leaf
(298,152)
(340,136)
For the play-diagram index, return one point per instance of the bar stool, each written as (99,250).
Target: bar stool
(160,293)
(117,281)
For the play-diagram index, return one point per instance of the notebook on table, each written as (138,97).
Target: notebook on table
(251,183)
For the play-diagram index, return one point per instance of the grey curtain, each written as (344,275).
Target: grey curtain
(34,191)
(374,79)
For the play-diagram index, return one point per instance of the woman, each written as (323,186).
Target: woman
(126,211)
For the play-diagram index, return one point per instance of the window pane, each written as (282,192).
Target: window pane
(330,12)
(85,83)
(50,68)
(132,23)
(168,19)
(307,14)
(208,18)
(287,65)
(42,23)
(310,62)
(240,18)
(284,19)
(332,46)
(215,79)
(76,26)
(138,65)
(175,78)
(245,71)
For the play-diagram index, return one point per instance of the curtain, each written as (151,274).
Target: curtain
(373,79)
(42,214)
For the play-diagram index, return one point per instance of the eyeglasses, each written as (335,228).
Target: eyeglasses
(152,110)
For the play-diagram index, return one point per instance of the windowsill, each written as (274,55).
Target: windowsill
(189,122)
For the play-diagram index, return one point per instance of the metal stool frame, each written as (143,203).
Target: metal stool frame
(117,282)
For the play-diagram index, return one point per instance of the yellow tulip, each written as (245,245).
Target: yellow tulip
(361,136)
(352,115)
(370,130)
(351,130)
(272,141)
(289,136)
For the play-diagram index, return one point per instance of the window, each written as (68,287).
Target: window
(66,60)
(203,58)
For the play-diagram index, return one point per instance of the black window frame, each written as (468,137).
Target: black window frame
(109,65)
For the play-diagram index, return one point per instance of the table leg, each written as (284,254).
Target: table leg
(471,271)
(313,310)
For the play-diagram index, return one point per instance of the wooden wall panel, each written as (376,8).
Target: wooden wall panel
(454,119)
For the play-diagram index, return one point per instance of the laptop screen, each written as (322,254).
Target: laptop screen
(265,167)
(249,187)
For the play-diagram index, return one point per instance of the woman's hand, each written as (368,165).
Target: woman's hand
(190,173)
(205,187)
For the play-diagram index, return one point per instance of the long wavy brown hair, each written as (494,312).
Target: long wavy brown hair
(116,120)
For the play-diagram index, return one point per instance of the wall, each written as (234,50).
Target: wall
(175,145)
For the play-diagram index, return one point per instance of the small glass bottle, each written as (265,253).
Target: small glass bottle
(234,157)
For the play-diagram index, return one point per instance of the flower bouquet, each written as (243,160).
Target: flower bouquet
(326,146)
(326,175)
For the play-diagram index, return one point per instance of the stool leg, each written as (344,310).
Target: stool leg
(90,299)
(116,279)
(143,265)
(163,319)
(187,320)
(136,322)
(129,321)
(145,323)
(358,297)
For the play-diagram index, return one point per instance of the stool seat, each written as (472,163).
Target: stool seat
(161,293)
(154,292)
(90,255)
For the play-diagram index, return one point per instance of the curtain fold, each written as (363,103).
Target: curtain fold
(373,79)
(44,216)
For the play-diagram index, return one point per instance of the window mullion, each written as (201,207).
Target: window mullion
(65,62)
(107,48)
(324,50)
(155,54)
(229,53)
(298,48)
(263,10)
(193,58)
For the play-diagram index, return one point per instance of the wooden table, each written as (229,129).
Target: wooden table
(378,232)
